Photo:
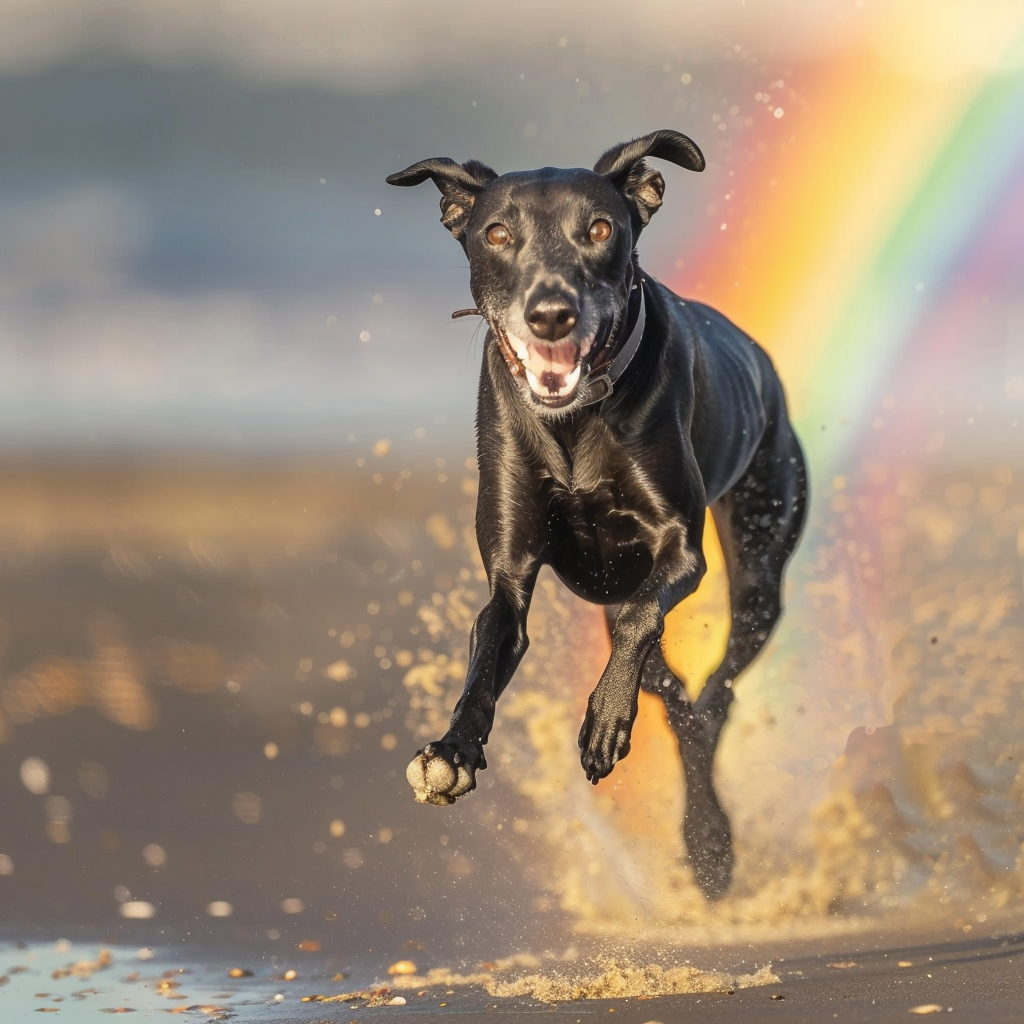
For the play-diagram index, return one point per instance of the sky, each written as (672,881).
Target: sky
(197,245)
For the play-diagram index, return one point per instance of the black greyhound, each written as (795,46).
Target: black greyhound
(611,414)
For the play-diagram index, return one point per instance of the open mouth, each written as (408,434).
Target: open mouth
(552,370)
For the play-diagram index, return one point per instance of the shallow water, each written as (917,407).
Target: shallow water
(214,676)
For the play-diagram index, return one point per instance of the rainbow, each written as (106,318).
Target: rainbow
(858,238)
(856,230)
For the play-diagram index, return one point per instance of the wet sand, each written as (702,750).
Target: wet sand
(213,676)
(893,978)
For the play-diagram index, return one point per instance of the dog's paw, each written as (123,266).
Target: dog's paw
(602,744)
(708,838)
(439,775)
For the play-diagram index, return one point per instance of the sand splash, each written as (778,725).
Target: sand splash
(554,979)
(872,762)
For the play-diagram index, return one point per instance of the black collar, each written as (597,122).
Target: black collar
(602,385)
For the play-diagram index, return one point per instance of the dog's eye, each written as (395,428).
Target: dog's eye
(498,234)
(600,231)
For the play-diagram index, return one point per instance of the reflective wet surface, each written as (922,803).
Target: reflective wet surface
(214,675)
(203,712)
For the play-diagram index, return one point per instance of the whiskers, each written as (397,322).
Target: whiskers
(458,314)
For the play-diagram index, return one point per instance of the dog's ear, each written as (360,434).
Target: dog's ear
(624,167)
(458,184)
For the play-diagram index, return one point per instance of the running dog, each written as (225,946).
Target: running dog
(611,415)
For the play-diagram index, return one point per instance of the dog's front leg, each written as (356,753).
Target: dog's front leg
(604,738)
(445,770)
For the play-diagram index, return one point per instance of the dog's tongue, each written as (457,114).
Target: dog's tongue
(559,358)
(551,370)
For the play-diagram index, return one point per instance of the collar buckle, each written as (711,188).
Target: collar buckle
(600,388)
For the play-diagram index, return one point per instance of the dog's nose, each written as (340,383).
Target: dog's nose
(552,317)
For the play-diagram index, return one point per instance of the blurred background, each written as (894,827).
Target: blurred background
(236,471)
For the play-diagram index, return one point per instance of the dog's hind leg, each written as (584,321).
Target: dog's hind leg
(759,523)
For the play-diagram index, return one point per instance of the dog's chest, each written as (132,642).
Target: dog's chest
(599,542)
(598,477)
(602,516)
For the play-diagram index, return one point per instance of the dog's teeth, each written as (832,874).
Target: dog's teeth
(569,382)
(519,347)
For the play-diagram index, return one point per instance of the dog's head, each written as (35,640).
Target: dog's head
(551,254)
